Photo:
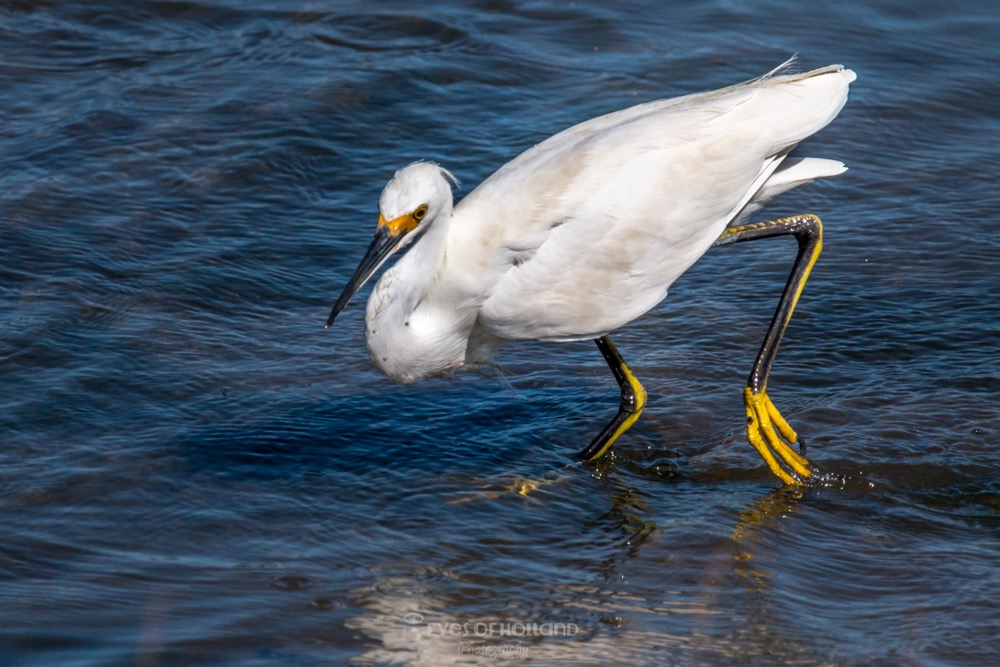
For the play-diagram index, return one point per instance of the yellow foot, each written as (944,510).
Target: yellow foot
(763,419)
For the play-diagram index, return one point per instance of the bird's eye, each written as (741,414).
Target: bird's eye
(419,214)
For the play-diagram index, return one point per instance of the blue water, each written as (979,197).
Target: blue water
(194,471)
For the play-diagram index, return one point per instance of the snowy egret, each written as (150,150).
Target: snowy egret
(585,232)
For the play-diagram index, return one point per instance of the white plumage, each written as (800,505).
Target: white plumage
(587,230)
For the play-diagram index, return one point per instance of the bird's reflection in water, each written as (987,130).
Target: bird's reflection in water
(616,605)
(423,612)
(628,522)
(763,514)
(763,635)
(776,505)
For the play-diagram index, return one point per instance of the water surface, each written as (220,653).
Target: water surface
(194,471)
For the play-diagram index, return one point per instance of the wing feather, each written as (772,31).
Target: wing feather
(594,224)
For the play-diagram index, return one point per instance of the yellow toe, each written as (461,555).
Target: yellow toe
(772,437)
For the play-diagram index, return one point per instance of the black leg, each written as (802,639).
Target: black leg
(633,400)
(763,419)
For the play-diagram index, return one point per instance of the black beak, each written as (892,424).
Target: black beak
(383,245)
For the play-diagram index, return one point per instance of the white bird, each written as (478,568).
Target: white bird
(584,232)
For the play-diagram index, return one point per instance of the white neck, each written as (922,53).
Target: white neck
(408,338)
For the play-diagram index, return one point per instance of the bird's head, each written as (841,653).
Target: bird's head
(415,197)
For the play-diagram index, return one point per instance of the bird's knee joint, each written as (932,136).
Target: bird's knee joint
(810,228)
(633,398)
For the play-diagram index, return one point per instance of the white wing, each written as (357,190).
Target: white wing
(587,230)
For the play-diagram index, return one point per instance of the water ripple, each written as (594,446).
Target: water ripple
(194,470)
